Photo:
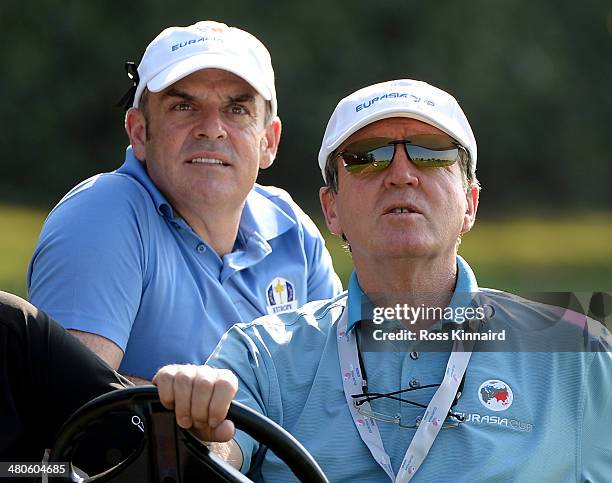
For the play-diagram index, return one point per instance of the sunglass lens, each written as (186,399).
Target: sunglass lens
(368,155)
(374,160)
(422,156)
(432,150)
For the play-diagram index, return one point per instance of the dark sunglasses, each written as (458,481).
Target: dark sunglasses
(376,154)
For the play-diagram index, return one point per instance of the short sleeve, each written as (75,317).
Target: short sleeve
(242,351)
(87,269)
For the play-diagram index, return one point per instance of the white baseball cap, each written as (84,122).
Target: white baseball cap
(397,98)
(179,51)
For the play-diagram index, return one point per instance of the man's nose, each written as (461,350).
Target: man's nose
(210,125)
(401,171)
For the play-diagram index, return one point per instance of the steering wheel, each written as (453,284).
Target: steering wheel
(170,454)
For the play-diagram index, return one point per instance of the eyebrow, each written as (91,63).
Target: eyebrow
(173,92)
(241,98)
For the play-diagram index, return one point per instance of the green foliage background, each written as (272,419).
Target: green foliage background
(534,78)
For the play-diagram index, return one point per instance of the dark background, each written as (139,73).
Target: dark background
(534,79)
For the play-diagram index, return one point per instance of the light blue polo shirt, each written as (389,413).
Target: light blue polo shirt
(530,416)
(114,259)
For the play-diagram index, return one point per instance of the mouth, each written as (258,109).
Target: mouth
(209,161)
(401,209)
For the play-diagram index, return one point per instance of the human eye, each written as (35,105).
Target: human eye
(182,106)
(238,110)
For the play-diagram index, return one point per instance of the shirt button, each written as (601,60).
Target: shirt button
(414,355)
(414,383)
(201,248)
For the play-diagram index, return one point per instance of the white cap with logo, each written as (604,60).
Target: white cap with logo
(179,51)
(397,98)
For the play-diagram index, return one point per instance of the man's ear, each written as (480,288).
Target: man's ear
(269,143)
(136,128)
(471,196)
(328,205)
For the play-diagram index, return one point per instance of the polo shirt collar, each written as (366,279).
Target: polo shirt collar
(135,168)
(466,284)
(261,221)
(261,218)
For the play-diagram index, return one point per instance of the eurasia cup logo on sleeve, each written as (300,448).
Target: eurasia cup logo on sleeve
(280,296)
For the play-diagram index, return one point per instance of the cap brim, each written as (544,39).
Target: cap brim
(396,111)
(209,60)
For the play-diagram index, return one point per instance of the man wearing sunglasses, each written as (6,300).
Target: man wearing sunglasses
(399,163)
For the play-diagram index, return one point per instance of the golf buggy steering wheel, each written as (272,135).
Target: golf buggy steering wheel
(170,454)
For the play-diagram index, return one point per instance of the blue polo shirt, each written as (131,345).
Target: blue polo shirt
(530,416)
(114,259)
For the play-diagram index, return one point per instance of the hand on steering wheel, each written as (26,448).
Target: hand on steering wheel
(170,454)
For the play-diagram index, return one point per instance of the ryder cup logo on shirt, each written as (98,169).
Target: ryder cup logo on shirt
(280,296)
(495,395)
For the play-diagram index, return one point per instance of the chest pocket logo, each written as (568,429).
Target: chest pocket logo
(280,296)
(495,395)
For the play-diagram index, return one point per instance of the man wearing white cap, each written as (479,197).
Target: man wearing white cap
(368,393)
(150,264)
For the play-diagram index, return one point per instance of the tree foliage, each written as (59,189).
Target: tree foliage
(534,78)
